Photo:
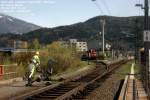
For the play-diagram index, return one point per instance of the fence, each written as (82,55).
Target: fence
(8,71)
(129,90)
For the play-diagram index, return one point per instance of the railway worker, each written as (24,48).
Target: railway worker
(33,66)
(36,59)
(47,71)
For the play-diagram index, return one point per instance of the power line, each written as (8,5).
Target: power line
(106,6)
(103,26)
(98,6)
(139,1)
(132,2)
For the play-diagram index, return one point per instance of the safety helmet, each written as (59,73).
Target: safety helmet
(37,53)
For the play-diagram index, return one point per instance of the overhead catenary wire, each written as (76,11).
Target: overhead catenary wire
(139,1)
(103,26)
(106,6)
(148,4)
(131,2)
(98,6)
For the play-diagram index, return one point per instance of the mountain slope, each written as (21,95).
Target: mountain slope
(120,31)
(116,29)
(10,24)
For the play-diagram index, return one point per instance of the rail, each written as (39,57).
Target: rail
(70,89)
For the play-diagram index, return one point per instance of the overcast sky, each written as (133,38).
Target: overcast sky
(51,13)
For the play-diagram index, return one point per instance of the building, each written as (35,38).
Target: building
(73,42)
(9,44)
(81,46)
(64,43)
(20,45)
(96,43)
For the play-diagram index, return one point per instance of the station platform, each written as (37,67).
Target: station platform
(132,88)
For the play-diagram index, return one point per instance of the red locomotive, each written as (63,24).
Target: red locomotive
(90,55)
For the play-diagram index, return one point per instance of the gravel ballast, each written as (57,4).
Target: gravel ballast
(110,86)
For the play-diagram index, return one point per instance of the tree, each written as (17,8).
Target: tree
(35,44)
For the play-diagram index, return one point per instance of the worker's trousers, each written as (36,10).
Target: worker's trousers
(32,70)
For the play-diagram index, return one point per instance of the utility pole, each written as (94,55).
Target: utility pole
(146,40)
(103,28)
(103,34)
(146,45)
(146,15)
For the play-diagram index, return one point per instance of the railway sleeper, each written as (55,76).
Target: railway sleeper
(61,89)
(64,87)
(73,90)
(80,95)
(53,93)
(56,91)
(67,85)
(45,96)
(33,98)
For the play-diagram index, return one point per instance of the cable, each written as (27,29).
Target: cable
(139,1)
(106,6)
(98,6)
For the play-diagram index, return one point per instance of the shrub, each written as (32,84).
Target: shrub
(65,58)
(22,58)
(61,55)
(5,58)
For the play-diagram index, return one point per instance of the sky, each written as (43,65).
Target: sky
(52,13)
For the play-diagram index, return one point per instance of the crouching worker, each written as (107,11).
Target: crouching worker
(33,66)
(48,71)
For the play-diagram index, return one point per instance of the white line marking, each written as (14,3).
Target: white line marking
(132,71)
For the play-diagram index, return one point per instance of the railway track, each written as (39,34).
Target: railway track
(75,89)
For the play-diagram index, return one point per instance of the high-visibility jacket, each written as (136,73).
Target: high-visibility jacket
(36,59)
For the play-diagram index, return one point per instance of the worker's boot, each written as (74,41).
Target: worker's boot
(48,83)
(38,79)
(29,82)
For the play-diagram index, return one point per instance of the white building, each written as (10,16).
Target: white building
(72,41)
(81,46)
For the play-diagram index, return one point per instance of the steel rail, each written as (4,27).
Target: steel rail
(68,89)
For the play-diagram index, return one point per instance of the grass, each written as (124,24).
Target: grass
(137,70)
(66,62)
(71,71)
(62,56)
(124,70)
(7,61)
